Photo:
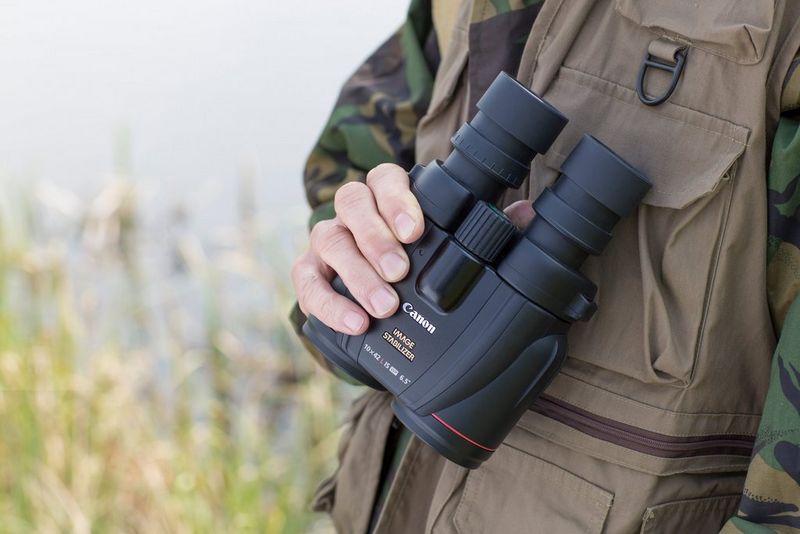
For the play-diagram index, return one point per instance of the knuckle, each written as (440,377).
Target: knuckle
(395,200)
(297,272)
(326,308)
(371,236)
(335,241)
(349,196)
(361,294)
(319,230)
(322,232)
(396,206)
(384,171)
(360,279)
(303,279)
(374,243)
(316,297)
(363,285)
(411,204)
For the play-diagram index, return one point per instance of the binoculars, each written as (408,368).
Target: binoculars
(485,308)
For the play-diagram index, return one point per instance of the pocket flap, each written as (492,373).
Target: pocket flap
(692,515)
(514,492)
(737,33)
(685,153)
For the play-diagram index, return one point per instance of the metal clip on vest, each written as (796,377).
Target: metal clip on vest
(662,54)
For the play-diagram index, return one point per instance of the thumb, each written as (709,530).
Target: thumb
(520,212)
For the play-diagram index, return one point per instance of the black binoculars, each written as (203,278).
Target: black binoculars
(484,309)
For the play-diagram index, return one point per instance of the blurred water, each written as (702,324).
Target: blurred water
(202,91)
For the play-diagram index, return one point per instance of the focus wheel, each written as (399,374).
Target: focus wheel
(485,232)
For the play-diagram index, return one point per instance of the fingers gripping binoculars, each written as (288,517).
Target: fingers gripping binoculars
(484,309)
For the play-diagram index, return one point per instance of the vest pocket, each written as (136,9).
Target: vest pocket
(699,516)
(517,492)
(348,495)
(656,275)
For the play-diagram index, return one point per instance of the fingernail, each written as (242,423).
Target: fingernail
(404,225)
(353,321)
(382,301)
(393,266)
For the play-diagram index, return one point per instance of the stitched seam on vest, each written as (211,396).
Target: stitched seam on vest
(438,513)
(656,515)
(721,134)
(745,144)
(663,32)
(602,504)
(669,193)
(623,419)
(473,475)
(740,463)
(711,283)
(795,30)
(400,487)
(446,14)
(683,106)
(545,34)
(593,452)
(380,400)
(584,488)
(638,403)
(791,82)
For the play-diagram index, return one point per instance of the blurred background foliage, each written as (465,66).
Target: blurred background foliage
(151,205)
(149,380)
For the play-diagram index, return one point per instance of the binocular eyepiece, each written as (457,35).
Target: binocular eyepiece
(574,218)
(512,126)
(485,308)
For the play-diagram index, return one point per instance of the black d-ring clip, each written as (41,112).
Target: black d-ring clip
(679,56)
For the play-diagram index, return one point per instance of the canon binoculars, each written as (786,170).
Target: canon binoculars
(484,309)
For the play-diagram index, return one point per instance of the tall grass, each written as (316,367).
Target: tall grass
(149,381)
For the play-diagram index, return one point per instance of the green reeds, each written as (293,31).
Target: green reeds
(149,381)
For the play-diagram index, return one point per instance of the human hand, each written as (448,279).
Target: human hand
(363,245)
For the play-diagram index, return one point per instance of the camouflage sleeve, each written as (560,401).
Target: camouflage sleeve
(375,117)
(783,254)
(771,499)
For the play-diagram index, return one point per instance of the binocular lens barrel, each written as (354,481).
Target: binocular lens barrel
(493,151)
(577,214)
(574,218)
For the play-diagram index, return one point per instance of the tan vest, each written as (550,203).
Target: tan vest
(682,342)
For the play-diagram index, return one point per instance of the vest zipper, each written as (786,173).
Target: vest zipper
(638,439)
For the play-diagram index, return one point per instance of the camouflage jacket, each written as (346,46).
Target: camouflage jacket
(374,121)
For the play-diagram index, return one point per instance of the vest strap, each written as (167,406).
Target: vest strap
(790,99)
(445,15)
